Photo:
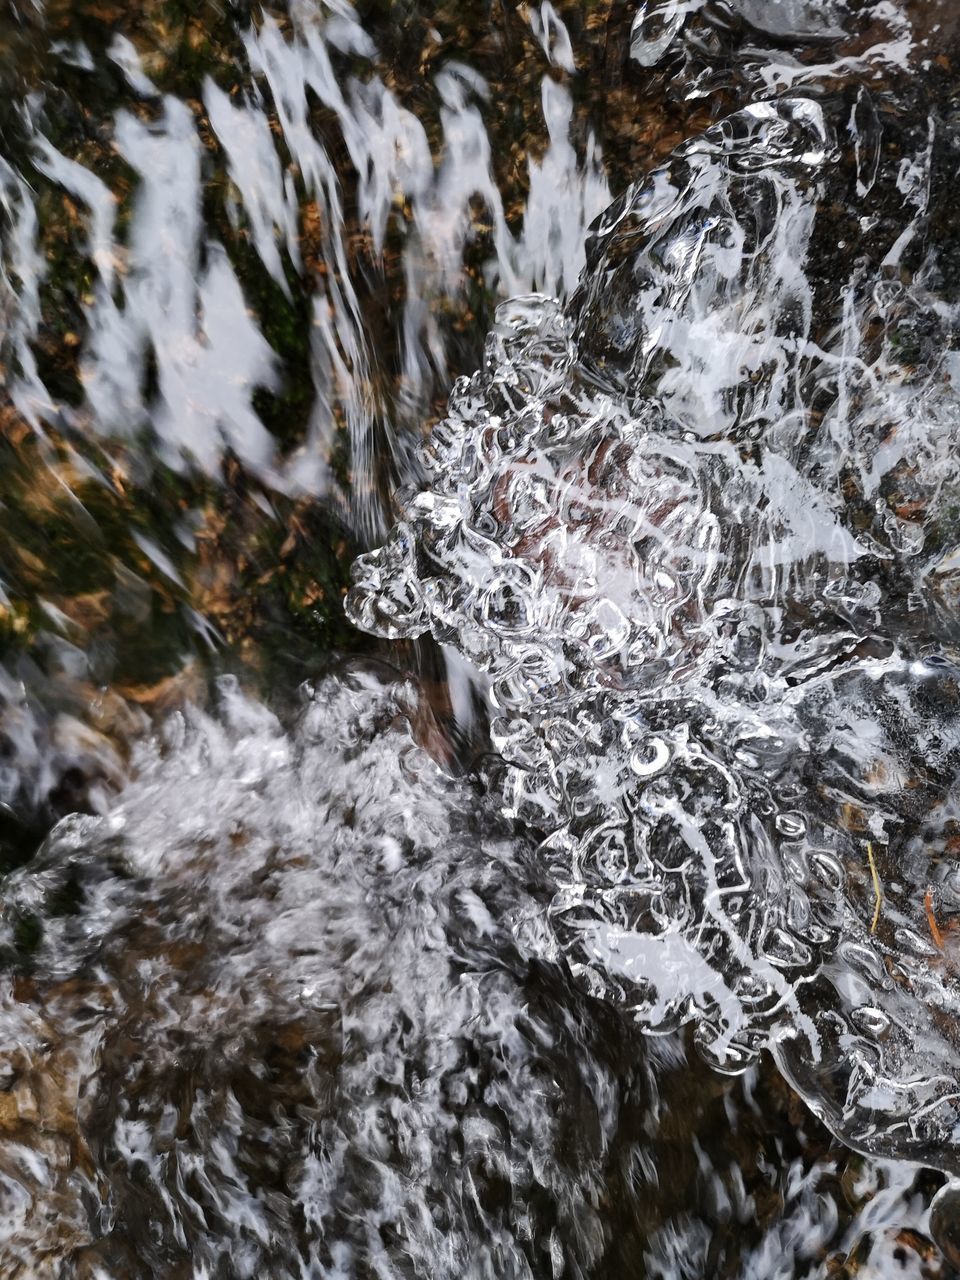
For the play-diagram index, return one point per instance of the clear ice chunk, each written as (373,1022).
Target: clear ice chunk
(696,529)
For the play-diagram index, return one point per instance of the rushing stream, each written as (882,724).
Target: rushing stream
(479,659)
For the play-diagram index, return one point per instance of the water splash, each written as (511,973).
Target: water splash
(294,945)
(170,338)
(286,241)
(296,1004)
(692,528)
(267,1015)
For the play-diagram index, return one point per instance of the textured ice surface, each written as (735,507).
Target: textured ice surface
(698,529)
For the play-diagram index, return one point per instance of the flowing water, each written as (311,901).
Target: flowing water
(576,894)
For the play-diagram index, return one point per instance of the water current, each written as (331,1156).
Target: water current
(570,887)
